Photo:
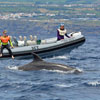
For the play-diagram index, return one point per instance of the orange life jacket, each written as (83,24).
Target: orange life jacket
(5,39)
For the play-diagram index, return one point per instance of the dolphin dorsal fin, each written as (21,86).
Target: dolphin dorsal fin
(36,57)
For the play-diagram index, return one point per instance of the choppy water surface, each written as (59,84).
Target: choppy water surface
(52,85)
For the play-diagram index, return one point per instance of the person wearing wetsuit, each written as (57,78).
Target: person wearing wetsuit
(61,32)
(4,40)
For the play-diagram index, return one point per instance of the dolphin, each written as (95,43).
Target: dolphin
(39,64)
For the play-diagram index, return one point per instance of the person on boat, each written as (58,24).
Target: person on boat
(4,40)
(61,32)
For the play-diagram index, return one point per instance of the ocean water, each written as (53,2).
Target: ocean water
(52,85)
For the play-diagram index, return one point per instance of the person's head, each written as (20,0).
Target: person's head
(4,33)
(62,26)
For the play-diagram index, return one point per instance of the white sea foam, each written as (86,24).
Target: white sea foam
(60,57)
(65,85)
(13,67)
(66,72)
(94,83)
(57,71)
(80,70)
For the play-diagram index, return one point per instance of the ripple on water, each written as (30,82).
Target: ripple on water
(93,84)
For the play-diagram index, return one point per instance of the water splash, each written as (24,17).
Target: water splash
(65,85)
(12,67)
(74,71)
(93,83)
(60,57)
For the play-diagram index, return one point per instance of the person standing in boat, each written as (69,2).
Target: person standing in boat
(61,32)
(4,40)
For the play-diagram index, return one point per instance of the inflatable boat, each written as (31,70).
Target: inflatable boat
(22,48)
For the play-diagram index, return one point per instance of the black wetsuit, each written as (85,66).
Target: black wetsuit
(8,48)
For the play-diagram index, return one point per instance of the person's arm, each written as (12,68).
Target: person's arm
(67,35)
(10,43)
(58,37)
(0,43)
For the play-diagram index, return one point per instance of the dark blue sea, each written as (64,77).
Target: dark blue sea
(52,85)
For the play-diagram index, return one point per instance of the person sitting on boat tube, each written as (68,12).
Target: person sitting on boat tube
(4,43)
(61,32)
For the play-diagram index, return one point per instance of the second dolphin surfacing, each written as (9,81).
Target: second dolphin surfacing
(39,64)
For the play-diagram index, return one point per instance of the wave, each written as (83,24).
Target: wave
(74,71)
(13,67)
(65,85)
(93,83)
(60,57)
